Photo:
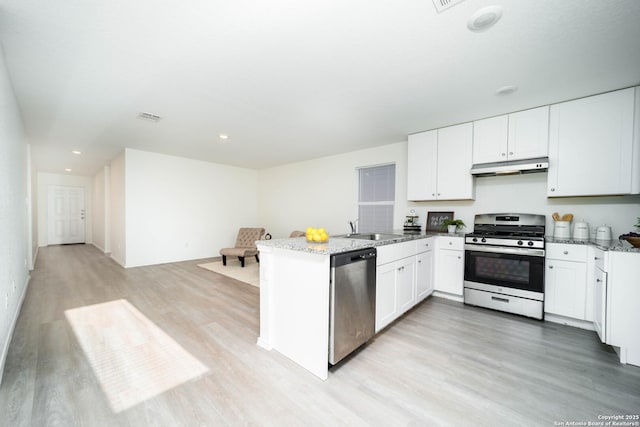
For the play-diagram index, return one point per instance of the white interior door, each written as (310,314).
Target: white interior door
(66,215)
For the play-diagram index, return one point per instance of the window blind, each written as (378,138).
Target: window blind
(376,197)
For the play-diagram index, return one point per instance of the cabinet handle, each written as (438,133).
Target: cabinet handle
(553,189)
(504,154)
(450,243)
(551,267)
(598,280)
(433,194)
(596,258)
(511,153)
(566,252)
(459,257)
(438,194)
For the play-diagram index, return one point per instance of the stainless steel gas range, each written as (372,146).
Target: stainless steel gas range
(504,263)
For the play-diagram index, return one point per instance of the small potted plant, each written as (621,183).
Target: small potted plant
(453,224)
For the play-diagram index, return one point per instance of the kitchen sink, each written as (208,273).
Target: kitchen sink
(373,236)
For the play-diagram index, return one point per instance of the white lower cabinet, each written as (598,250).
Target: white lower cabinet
(565,292)
(395,292)
(449,271)
(600,303)
(404,277)
(405,283)
(566,281)
(386,295)
(424,275)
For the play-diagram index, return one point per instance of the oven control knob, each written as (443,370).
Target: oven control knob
(520,243)
(483,240)
(475,239)
(530,243)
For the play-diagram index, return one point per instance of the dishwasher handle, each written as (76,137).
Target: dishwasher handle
(359,255)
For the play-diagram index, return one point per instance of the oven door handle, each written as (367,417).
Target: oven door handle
(503,250)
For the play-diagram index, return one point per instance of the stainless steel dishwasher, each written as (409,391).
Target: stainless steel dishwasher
(352,316)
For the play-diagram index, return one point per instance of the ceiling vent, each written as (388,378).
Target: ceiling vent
(442,5)
(149,117)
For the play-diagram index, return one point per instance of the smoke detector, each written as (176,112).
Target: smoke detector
(149,117)
(445,4)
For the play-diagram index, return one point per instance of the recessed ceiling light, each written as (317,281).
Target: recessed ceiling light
(76,152)
(67,170)
(223,136)
(484,18)
(506,90)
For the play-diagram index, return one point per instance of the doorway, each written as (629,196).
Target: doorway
(65,215)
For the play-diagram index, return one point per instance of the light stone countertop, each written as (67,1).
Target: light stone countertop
(606,245)
(340,243)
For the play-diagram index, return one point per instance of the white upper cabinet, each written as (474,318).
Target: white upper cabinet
(422,165)
(490,139)
(591,146)
(515,136)
(529,134)
(439,162)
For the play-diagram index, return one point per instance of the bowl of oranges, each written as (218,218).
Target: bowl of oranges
(316,235)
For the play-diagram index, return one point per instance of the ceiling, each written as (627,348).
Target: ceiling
(290,80)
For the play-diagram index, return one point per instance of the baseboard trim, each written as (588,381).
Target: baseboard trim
(449,296)
(576,323)
(12,327)
(35,258)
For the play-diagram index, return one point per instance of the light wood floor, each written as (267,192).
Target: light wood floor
(441,364)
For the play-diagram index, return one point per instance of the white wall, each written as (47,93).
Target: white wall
(179,209)
(116,202)
(322,192)
(100,214)
(44,181)
(14,240)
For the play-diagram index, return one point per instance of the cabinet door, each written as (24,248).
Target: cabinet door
(450,271)
(421,165)
(600,303)
(455,150)
(590,145)
(490,139)
(405,284)
(424,275)
(528,134)
(386,297)
(565,288)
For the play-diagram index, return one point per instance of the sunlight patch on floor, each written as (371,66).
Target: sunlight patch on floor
(133,359)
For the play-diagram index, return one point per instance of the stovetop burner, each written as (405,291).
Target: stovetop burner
(515,230)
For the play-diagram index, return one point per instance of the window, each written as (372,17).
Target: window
(376,198)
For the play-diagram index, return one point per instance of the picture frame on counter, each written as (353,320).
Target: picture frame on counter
(435,220)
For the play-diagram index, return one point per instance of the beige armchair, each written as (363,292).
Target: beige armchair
(245,245)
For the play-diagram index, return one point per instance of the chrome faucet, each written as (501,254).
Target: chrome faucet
(354,226)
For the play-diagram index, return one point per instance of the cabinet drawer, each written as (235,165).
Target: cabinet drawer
(424,245)
(576,253)
(395,251)
(454,243)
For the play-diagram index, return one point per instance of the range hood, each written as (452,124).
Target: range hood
(513,167)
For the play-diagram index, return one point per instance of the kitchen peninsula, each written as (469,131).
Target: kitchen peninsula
(295,289)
